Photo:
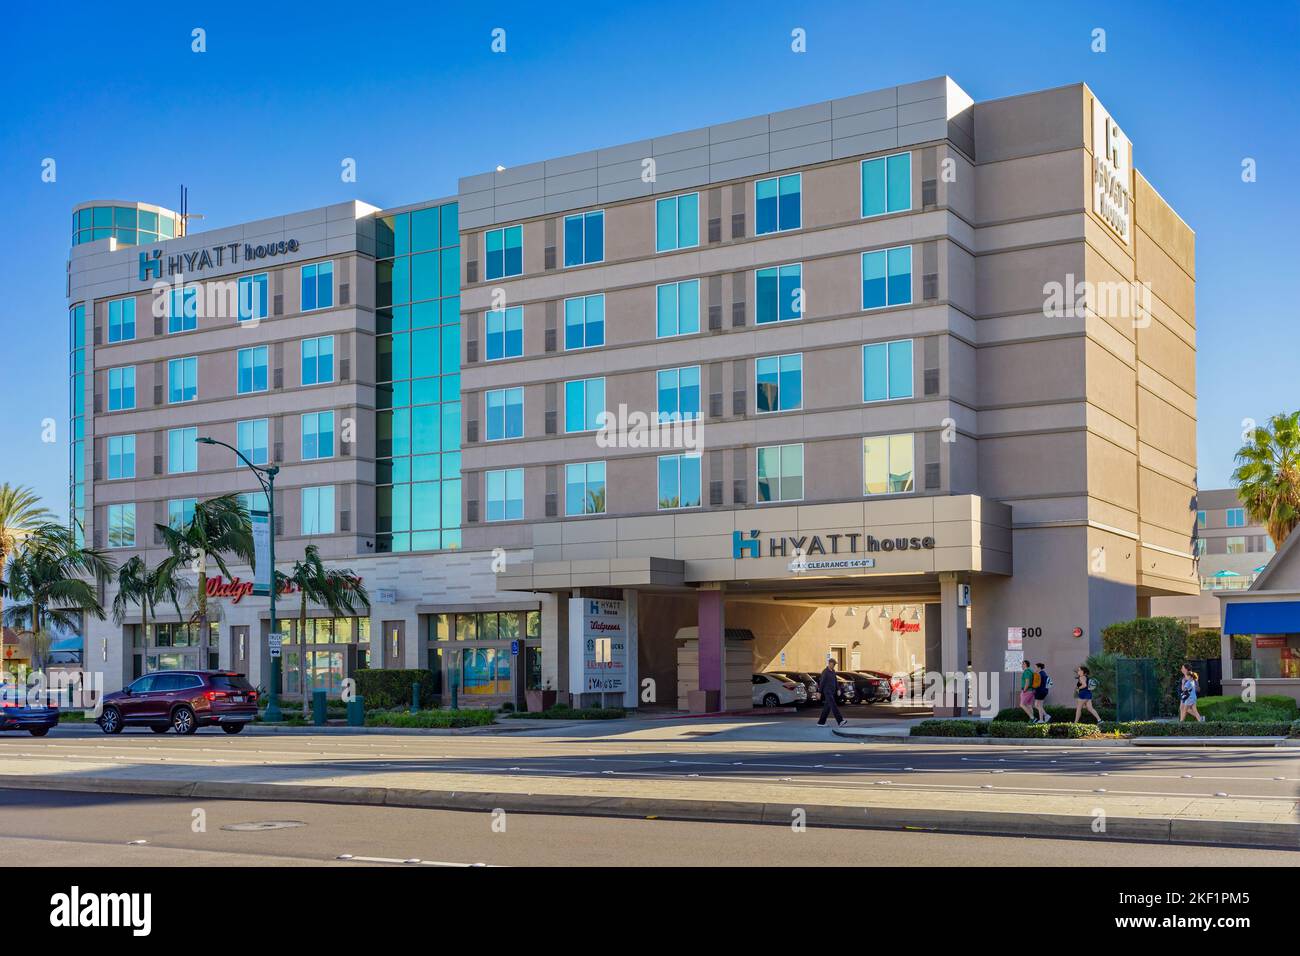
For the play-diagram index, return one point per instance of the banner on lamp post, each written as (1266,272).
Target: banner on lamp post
(261,522)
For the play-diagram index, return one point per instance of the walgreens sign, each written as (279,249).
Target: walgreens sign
(236,589)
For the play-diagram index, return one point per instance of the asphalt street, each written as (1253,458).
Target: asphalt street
(58,829)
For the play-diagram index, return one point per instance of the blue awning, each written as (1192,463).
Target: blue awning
(1262,617)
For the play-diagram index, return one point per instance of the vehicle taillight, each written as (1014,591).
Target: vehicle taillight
(788,685)
(216,695)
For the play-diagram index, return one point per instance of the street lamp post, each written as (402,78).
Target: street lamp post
(266,478)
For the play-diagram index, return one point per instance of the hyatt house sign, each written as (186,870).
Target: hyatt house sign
(848,542)
(213,257)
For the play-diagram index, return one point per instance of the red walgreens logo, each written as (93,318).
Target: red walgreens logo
(237,589)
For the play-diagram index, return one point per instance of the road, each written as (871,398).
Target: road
(40,829)
(776,753)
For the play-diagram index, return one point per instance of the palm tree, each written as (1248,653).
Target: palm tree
(219,526)
(147,588)
(21,516)
(339,590)
(1268,475)
(56,582)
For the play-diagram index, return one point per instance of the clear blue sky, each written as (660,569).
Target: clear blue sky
(259,124)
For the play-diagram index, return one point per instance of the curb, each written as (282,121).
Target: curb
(1171,830)
(986,741)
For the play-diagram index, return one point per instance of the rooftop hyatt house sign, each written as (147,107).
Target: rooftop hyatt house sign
(197,260)
(1112,164)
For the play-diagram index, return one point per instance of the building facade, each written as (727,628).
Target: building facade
(894,351)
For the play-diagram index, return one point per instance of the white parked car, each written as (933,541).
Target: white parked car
(772,691)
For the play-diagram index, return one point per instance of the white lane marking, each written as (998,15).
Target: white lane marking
(350,858)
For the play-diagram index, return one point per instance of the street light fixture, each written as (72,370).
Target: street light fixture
(265,475)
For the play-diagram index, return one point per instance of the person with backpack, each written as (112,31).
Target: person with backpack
(1084,685)
(1027,689)
(1042,687)
(1187,694)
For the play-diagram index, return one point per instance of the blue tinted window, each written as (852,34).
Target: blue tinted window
(121,320)
(584,322)
(183,379)
(505,495)
(182,450)
(780,473)
(318,360)
(779,293)
(677,222)
(584,400)
(778,204)
(504,252)
(887,371)
(887,184)
(251,440)
(318,510)
(183,309)
(121,457)
(505,333)
(504,413)
(318,286)
(121,389)
(253,297)
(677,308)
(779,382)
(584,488)
(679,393)
(251,364)
(317,435)
(584,238)
(679,481)
(887,277)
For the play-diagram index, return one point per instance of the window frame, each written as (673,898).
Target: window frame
(889,374)
(266,367)
(888,438)
(189,296)
(181,362)
(585,300)
(677,286)
(677,222)
(302,361)
(302,509)
(586,487)
(778,359)
(862,193)
(803,472)
(504,334)
(679,457)
(122,371)
(778,179)
(505,247)
(699,397)
(316,268)
(505,417)
(250,452)
(505,500)
(777,269)
(253,282)
(862,277)
(121,304)
(120,511)
(586,401)
(179,435)
(302,435)
(583,219)
(120,454)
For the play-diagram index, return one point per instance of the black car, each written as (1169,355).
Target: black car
(809,682)
(870,688)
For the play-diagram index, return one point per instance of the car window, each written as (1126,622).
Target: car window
(168,682)
(230,682)
(186,681)
(144,685)
(759,679)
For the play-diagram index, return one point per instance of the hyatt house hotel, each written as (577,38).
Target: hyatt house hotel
(899,378)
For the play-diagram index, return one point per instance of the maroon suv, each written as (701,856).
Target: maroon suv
(183,701)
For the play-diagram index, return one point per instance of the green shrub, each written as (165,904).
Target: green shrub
(1203,643)
(1241,647)
(1059,713)
(430,718)
(1064,730)
(949,728)
(384,689)
(1295,728)
(1269,708)
(1191,728)
(565,712)
(1163,640)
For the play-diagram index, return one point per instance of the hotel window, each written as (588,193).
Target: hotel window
(317,435)
(887,184)
(778,204)
(584,488)
(121,388)
(677,308)
(121,457)
(253,297)
(317,286)
(584,400)
(504,252)
(779,293)
(121,526)
(505,333)
(182,450)
(252,440)
(679,393)
(183,379)
(183,309)
(780,473)
(677,222)
(318,510)
(779,382)
(505,494)
(505,413)
(887,277)
(121,320)
(887,371)
(1236,517)
(679,482)
(1198,548)
(1200,519)
(180,512)
(584,239)
(887,462)
(584,322)
(252,369)
(254,501)
(318,360)
(1236,544)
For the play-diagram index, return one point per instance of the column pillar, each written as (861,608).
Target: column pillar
(632,696)
(952,646)
(555,643)
(712,653)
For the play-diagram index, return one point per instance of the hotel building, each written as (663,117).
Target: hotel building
(900,378)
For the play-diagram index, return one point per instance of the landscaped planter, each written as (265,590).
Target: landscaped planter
(540,700)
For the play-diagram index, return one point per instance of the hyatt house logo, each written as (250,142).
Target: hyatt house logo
(750,545)
(151,264)
(76,909)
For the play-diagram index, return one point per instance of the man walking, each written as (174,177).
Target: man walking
(829,685)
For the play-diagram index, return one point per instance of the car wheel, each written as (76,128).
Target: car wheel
(232,728)
(771,700)
(38,731)
(183,721)
(160,728)
(110,721)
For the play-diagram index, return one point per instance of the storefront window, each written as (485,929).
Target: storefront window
(1272,655)
(482,671)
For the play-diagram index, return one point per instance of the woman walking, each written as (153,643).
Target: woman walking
(1084,685)
(1187,695)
